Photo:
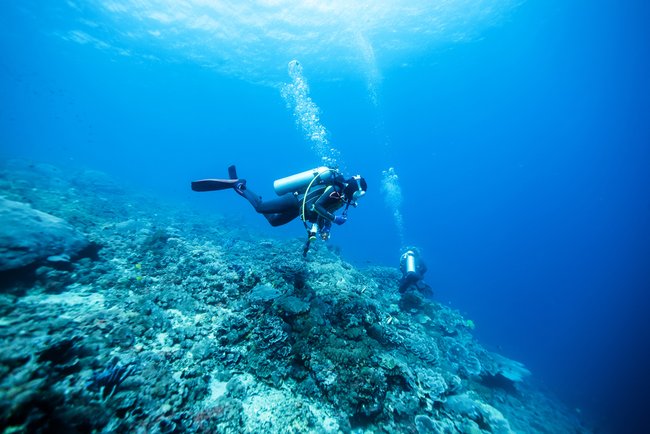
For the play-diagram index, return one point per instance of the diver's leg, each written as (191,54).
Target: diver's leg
(277,211)
(250,196)
(282,204)
(281,210)
(282,218)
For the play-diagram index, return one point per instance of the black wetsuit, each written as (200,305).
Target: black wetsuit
(322,201)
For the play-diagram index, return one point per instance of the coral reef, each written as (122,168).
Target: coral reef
(175,324)
(28,235)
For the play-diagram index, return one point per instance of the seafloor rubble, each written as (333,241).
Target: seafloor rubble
(122,314)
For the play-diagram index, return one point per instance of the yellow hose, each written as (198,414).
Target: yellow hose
(304,199)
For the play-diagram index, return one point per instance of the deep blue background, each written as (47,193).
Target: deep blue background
(523,159)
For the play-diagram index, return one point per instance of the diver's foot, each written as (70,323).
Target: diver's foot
(240,186)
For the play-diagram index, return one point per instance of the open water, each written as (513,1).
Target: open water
(508,140)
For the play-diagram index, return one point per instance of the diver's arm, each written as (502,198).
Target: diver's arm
(319,206)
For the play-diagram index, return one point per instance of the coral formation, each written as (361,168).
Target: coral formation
(177,325)
(28,236)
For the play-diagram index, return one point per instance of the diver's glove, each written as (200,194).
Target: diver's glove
(340,219)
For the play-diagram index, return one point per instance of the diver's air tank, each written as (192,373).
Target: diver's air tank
(300,181)
(409,262)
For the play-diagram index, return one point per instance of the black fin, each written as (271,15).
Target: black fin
(232,172)
(214,184)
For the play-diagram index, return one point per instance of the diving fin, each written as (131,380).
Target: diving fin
(214,184)
(219,184)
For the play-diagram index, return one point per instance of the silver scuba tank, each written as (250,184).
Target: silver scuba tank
(300,181)
(409,263)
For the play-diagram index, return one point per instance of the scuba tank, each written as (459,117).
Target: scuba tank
(409,263)
(300,181)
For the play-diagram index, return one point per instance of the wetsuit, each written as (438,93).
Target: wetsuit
(322,201)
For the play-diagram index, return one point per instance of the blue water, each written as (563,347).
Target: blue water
(521,150)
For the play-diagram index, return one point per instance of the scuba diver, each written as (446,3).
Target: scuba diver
(413,269)
(314,195)
(416,294)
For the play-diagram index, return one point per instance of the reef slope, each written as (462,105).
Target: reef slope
(166,322)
